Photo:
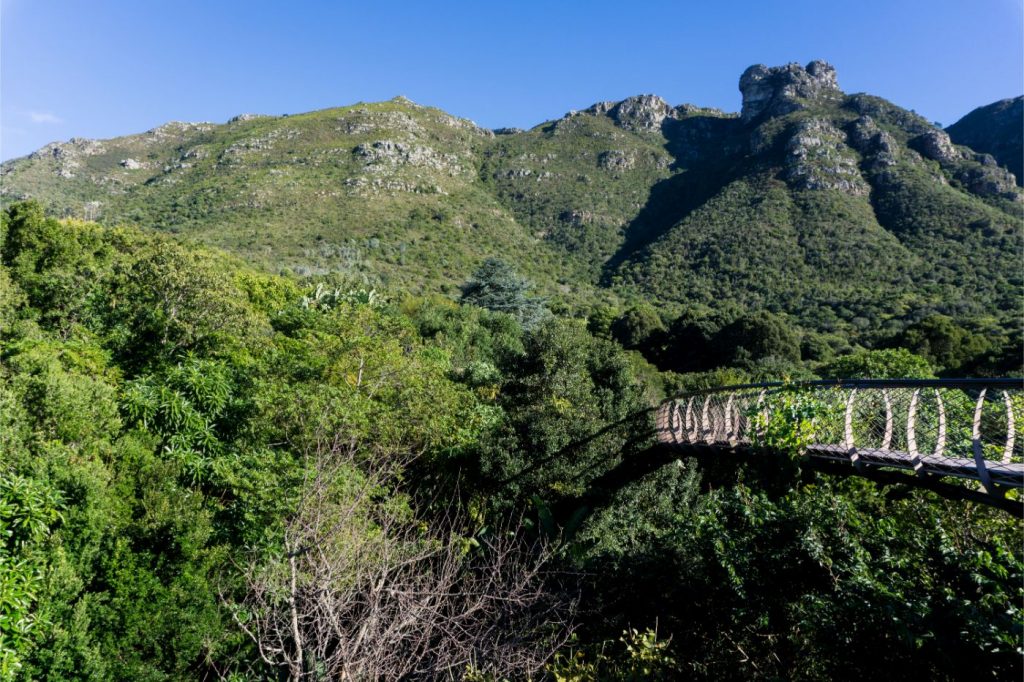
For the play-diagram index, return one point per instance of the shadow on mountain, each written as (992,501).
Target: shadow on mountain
(704,150)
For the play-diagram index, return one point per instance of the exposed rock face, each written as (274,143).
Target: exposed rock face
(779,90)
(817,158)
(245,148)
(241,118)
(684,110)
(936,145)
(384,154)
(616,159)
(72,149)
(576,218)
(67,155)
(643,113)
(979,173)
(988,179)
(130,164)
(879,149)
(176,129)
(463,124)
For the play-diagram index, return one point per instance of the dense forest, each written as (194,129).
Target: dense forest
(212,472)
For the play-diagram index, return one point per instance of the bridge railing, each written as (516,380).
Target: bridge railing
(968,428)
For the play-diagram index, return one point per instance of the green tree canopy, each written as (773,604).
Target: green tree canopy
(944,343)
(637,326)
(755,337)
(496,286)
(893,363)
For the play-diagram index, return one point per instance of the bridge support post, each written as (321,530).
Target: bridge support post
(848,441)
(979,453)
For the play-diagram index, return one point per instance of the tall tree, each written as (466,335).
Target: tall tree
(496,286)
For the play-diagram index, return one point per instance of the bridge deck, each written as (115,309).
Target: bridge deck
(1010,475)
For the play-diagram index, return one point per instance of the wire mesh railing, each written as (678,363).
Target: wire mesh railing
(966,428)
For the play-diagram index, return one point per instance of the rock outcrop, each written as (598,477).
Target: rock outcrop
(879,148)
(616,159)
(936,145)
(979,173)
(817,158)
(641,113)
(242,118)
(383,155)
(779,90)
(67,156)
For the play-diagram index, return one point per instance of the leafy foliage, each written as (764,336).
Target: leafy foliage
(495,286)
(163,409)
(894,363)
(786,422)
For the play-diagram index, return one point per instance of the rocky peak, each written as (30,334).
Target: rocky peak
(779,90)
(639,113)
(643,112)
(242,118)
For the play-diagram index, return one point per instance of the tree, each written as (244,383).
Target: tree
(755,337)
(173,300)
(600,321)
(894,363)
(567,387)
(496,286)
(363,588)
(638,326)
(944,343)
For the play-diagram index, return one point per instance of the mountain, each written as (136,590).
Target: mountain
(996,129)
(386,191)
(845,211)
(839,208)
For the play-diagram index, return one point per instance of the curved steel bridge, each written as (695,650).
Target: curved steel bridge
(959,428)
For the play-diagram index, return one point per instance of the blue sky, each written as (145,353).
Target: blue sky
(111,67)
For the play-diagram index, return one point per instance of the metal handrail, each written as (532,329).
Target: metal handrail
(1016,382)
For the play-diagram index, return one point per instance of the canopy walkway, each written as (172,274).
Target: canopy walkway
(960,428)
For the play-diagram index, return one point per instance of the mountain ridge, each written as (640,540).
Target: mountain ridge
(683,206)
(995,129)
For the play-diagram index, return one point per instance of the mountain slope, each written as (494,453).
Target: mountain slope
(996,129)
(844,211)
(385,191)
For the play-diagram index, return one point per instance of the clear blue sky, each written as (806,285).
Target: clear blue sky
(112,67)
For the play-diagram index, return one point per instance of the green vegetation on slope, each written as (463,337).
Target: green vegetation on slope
(847,213)
(995,129)
(195,452)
